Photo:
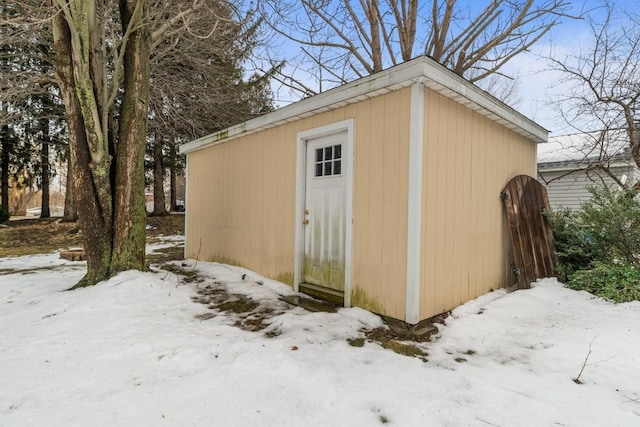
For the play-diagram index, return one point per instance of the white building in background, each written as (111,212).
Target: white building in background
(568,165)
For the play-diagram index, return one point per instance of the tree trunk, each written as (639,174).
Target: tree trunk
(174,201)
(4,165)
(159,202)
(44,160)
(96,230)
(375,43)
(70,208)
(172,175)
(129,238)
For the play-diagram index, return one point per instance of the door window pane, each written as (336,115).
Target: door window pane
(328,160)
(327,168)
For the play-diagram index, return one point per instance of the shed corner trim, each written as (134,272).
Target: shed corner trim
(414,202)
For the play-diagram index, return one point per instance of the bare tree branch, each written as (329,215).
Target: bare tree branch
(606,82)
(374,34)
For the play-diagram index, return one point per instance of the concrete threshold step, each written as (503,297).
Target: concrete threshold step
(310,303)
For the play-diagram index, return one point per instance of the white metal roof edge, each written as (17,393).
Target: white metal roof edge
(434,75)
(579,165)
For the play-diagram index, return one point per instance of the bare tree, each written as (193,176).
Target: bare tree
(103,57)
(346,39)
(604,96)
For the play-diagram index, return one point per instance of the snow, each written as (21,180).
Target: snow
(583,146)
(131,352)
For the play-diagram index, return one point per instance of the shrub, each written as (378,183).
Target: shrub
(612,220)
(615,282)
(598,246)
(4,214)
(574,248)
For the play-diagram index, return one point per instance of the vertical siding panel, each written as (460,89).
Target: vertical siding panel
(251,175)
(266,162)
(238,207)
(286,190)
(390,206)
(484,244)
(285,146)
(376,201)
(487,140)
(361,191)
(455,194)
(475,246)
(501,168)
(500,148)
(289,191)
(236,211)
(392,209)
(445,198)
(494,220)
(284,142)
(429,224)
(440,242)
(464,189)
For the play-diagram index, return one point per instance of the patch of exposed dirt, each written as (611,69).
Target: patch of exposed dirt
(389,340)
(249,314)
(402,338)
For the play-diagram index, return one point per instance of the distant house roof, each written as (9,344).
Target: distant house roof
(580,149)
(422,69)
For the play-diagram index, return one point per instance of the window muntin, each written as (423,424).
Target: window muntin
(328,161)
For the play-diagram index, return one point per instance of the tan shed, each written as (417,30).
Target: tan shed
(384,192)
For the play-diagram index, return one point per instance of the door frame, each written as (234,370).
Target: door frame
(303,137)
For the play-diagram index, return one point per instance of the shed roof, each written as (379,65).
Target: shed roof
(422,69)
(576,150)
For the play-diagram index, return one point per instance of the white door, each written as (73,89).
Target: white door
(324,213)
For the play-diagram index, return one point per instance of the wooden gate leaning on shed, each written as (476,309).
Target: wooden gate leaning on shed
(532,248)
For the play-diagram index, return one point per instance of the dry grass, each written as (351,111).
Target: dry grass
(168,225)
(37,236)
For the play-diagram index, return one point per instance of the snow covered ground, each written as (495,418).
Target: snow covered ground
(133,351)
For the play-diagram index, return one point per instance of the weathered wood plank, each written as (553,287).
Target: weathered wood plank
(73,254)
(532,248)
